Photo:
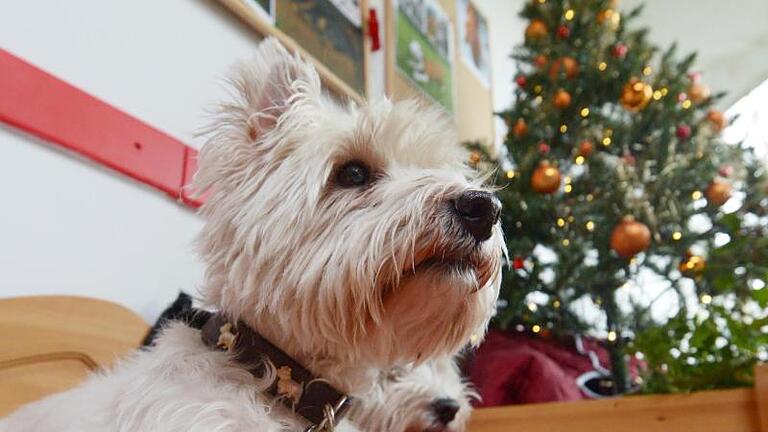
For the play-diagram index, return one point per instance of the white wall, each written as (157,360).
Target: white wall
(71,227)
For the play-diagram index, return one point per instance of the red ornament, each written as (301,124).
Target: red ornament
(518,263)
(620,50)
(725,171)
(563,32)
(543,148)
(683,131)
(521,80)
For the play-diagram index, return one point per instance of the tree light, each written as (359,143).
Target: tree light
(590,226)
(602,66)
(566,242)
(686,104)
(569,14)
(560,222)
(647,70)
(607,141)
(706,299)
(533,307)
(579,160)
(511,174)
(563,128)
(677,235)
(696,195)
(567,188)
(584,112)
(611,336)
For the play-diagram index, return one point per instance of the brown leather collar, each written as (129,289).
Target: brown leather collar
(311,397)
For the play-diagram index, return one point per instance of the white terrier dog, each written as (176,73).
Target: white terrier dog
(354,239)
(431,397)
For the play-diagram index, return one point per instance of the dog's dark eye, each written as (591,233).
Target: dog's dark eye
(353,173)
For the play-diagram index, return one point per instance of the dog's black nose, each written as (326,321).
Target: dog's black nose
(445,410)
(479,212)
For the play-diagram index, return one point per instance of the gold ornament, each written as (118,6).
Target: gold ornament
(566,64)
(635,95)
(717,120)
(585,148)
(536,30)
(561,99)
(698,92)
(630,237)
(692,265)
(718,193)
(546,178)
(610,17)
(520,129)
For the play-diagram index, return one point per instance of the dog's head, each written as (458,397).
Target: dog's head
(358,232)
(431,397)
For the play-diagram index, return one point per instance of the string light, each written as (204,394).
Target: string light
(538,99)
(556,304)
(590,226)
(571,219)
(567,188)
(590,197)
(560,222)
(533,307)
(647,70)
(611,336)
(566,242)
(511,174)
(686,104)
(664,91)
(584,112)
(677,235)
(656,95)
(706,299)
(696,195)
(602,66)
(607,141)
(563,128)
(537,88)
(567,180)
(536,328)
(569,14)
(579,160)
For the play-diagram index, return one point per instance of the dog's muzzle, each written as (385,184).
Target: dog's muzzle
(478,211)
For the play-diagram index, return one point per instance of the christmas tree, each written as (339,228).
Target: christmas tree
(619,195)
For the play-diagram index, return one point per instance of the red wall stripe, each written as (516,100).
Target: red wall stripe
(43,105)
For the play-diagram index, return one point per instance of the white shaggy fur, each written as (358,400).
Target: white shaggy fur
(348,281)
(401,399)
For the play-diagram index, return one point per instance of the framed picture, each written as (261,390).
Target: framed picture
(474,47)
(264,8)
(329,30)
(423,45)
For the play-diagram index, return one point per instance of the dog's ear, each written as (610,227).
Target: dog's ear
(274,82)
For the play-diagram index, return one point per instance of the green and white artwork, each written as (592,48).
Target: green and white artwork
(424,48)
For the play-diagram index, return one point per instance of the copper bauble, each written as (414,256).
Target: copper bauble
(566,64)
(540,60)
(698,92)
(520,128)
(717,120)
(630,237)
(610,17)
(585,148)
(635,95)
(546,178)
(562,99)
(536,29)
(718,193)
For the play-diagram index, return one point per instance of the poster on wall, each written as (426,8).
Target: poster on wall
(265,8)
(331,31)
(424,48)
(474,47)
